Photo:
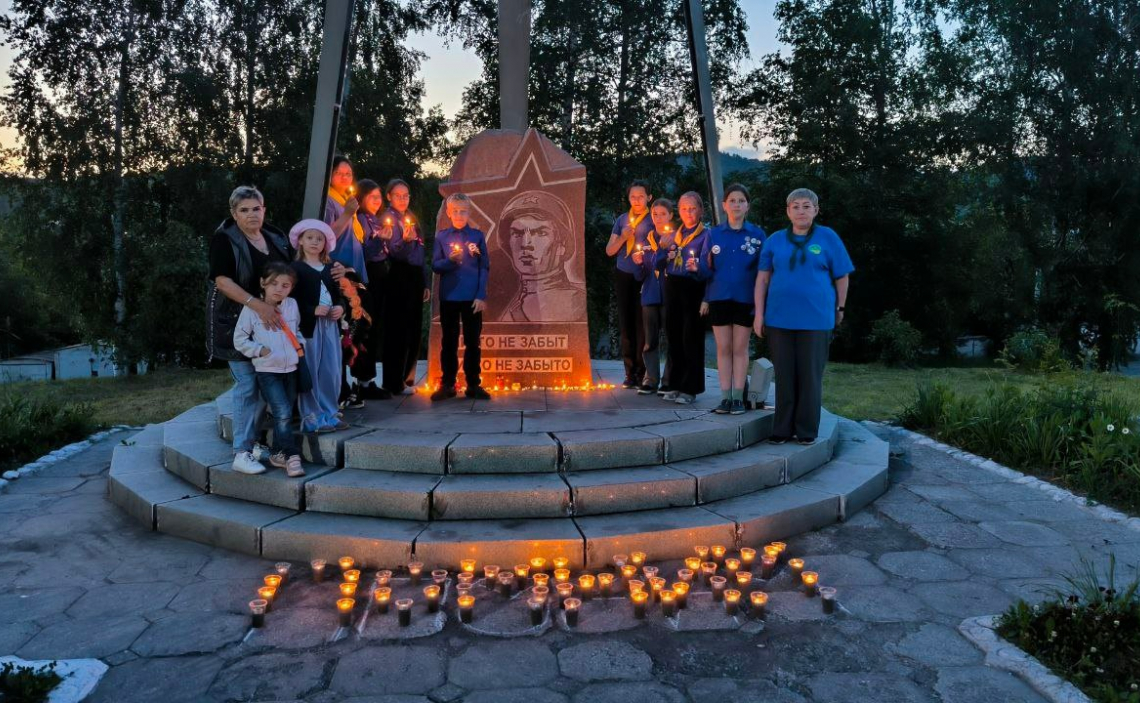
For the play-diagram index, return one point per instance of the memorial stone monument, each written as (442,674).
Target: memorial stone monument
(529,197)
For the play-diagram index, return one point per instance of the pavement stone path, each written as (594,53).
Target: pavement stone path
(947,541)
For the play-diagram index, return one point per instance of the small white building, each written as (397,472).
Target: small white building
(76,361)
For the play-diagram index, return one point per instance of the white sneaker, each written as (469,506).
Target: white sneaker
(408,390)
(671,395)
(684,399)
(259,451)
(244,463)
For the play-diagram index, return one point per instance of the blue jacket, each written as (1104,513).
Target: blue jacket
(466,280)
(671,259)
(624,255)
(730,259)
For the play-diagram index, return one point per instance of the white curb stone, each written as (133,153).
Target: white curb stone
(59,455)
(1000,654)
(80,676)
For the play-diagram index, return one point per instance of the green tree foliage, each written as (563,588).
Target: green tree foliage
(138,117)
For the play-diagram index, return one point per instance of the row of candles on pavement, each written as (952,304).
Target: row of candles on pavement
(705,564)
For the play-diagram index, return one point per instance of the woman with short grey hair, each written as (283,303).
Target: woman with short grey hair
(800,294)
(239,250)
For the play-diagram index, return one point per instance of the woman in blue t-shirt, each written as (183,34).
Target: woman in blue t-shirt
(800,294)
(629,236)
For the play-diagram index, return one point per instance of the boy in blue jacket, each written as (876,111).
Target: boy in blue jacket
(460,259)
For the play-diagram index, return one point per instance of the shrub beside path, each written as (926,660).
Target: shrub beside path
(948,541)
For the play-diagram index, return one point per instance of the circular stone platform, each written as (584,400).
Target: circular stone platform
(581,474)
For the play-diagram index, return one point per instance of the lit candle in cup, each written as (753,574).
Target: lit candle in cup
(782,547)
(708,570)
(283,568)
(463,589)
(772,551)
(649,571)
(635,585)
(538,565)
(639,598)
(541,579)
(352,575)
(747,556)
(439,576)
(383,577)
(731,601)
(318,567)
(560,562)
(465,579)
(565,590)
(272,580)
(620,560)
(797,567)
(404,611)
(431,593)
(767,566)
(628,572)
(605,584)
(681,590)
(490,576)
(718,584)
(506,583)
(586,584)
(668,602)
(637,558)
(759,604)
(348,589)
(744,581)
(811,580)
(466,608)
(732,565)
(702,552)
(561,575)
(344,608)
(827,598)
(540,592)
(522,574)
(536,607)
(467,566)
(382,596)
(717,552)
(346,563)
(573,607)
(685,575)
(257,610)
(415,570)
(656,585)
(693,563)
(267,593)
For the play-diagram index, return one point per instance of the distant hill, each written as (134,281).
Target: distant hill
(729,163)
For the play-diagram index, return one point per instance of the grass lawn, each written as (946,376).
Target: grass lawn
(133,400)
(874,392)
(856,391)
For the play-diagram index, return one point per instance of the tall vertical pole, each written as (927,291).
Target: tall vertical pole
(327,107)
(514,63)
(699,55)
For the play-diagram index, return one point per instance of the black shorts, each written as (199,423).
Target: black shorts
(729,312)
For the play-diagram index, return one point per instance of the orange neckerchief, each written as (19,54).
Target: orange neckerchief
(633,223)
(357,228)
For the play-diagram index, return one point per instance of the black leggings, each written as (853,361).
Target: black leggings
(627,291)
(686,334)
(403,324)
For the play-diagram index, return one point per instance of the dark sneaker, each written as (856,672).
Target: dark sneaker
(354,401)
(724,408)
(628,383)
(444,393)
(777,440)
(647,389)
(664,390)
(737,407)
(478,393)
(805,440)
(370,391)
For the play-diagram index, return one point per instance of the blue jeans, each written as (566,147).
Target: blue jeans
(280,393)
(247,405)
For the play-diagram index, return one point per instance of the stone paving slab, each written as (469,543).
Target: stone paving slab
(585,450)
(372,541)
(222,522)
(391,450)
(403,496)
(491,496)
(617,490)
(496,453)
(663,534)
(449,423)
(481,665)
(503,542)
